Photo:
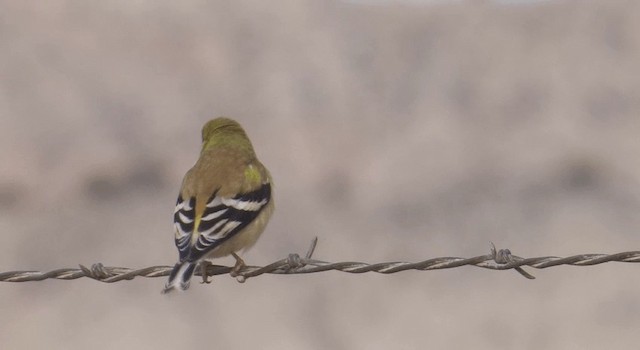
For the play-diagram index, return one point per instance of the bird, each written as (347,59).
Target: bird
(224,204)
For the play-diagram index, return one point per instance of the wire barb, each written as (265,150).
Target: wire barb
(295,264)
(504,256)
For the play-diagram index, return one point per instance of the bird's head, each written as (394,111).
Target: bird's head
(224,132)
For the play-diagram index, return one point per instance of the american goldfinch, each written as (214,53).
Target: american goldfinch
(224,204)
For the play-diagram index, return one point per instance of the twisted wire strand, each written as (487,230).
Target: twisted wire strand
(295,264)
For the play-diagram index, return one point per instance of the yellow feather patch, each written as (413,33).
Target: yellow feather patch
(252,175)
(199,210)
(196,223)
(194,234)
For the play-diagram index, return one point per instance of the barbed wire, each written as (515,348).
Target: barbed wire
(295,264)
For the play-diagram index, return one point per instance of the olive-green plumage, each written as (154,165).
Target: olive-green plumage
(227,174)
(226,157)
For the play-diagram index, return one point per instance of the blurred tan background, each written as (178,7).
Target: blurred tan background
(394,131)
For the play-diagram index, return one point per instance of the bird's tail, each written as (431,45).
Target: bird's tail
(180,276)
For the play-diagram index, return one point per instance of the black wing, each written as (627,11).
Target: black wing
(183,221)
(222,219)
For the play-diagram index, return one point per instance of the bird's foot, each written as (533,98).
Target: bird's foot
(204,264)
(235,271)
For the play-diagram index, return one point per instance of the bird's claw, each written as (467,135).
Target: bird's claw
(235,271)
(203,271)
